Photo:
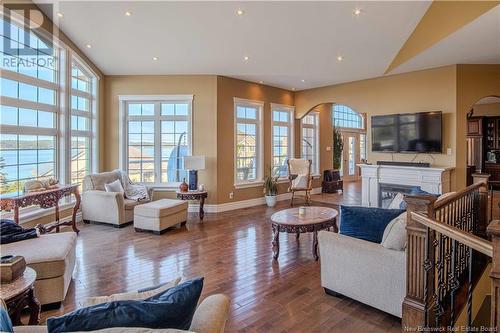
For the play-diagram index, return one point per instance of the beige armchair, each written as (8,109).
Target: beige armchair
(299,175)
(106,207)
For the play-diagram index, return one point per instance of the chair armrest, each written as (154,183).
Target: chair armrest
(211,315)
(292,177)
(102,206)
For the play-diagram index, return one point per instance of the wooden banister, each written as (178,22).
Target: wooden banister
(477,243)
(494,232)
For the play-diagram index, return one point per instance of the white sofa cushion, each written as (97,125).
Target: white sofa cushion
(395,234)
(115,186)
(131,296)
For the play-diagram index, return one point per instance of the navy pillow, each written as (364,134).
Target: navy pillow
(5,323)
(416,190)
(366,223)
(173,308)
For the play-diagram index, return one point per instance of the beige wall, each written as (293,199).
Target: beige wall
(473,83)
(428,90)
(204,89)
(487,110)
(227,89)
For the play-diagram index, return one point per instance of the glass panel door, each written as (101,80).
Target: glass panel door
(350,156)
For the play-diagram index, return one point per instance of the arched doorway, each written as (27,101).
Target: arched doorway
(352,126)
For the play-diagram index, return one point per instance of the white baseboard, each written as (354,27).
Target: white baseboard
(213,208)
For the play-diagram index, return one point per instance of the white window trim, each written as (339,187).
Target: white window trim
(123,100)
(259,181)
(291,130)
(315,173)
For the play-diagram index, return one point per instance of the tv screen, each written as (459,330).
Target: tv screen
(420,132)
(411,132)
(385,133)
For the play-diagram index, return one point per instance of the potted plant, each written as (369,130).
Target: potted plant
(271,187)
(338,146)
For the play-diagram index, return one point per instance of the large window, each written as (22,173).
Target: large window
(248,142)
(33,130)
(310,140)
(156,137)
(345,117)
(282,137)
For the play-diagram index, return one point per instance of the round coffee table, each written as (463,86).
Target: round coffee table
(314,220)
(19,294)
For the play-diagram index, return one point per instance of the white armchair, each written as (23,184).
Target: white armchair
(106,207)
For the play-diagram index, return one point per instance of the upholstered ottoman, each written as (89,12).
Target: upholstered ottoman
(157,216)
(52,256)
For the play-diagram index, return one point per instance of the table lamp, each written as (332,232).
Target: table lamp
(193,164)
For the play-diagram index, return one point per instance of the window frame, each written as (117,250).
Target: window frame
(61,109)
(124,100)
(352,129)
(315,167)
(259,147)
(291,132)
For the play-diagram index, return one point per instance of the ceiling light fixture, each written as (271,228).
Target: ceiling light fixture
(357,12)
(261,82)
(302,80)
(60,14)
(128,14)
(340,58)
(155,58)
(240,12)
(246,58)
(293,89)
(89,46)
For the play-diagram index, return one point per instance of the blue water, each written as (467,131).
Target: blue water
(28,160)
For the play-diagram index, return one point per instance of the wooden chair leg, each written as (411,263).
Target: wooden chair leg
(308,198)
(291,201)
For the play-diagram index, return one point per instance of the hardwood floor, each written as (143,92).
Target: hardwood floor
(233,252)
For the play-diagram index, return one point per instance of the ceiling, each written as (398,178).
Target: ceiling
(288,44)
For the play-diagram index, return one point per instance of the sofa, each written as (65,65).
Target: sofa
(210,317)
(52,256)
(106,207)
(364,271)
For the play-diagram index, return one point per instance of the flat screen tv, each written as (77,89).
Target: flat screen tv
(408,133)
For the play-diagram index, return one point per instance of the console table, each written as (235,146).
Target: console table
(45,199)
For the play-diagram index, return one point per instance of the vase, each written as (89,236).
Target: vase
(184,187)
(271,200)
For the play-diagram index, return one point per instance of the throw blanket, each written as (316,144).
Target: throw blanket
(11,232)
(133,191)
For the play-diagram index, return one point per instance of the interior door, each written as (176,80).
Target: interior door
(350,156)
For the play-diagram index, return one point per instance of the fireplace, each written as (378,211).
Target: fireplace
(387,192)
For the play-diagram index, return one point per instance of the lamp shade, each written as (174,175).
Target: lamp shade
(194,162)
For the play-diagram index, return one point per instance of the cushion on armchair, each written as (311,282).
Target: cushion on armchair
(174,308)
(366,223)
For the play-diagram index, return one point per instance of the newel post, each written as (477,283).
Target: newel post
(483,216)
(494,232)
(417,281)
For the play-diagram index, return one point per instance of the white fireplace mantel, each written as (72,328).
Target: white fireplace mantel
(434,180)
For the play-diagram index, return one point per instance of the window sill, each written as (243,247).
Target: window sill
(32,213)
(249,185)
(316,176)
(283,180)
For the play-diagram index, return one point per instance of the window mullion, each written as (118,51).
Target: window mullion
(157,143)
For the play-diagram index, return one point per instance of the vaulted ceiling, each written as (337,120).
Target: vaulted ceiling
(287,44)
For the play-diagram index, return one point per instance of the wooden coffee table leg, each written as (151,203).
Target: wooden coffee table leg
(315,245)
(297,235)
(276,243)
(34,306)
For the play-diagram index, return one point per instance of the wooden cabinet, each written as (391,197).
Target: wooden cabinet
(475,126)
(492,133)
(493,169)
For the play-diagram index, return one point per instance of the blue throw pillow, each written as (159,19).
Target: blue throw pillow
(416,190)
(366,223)
(173,308)
(5,322)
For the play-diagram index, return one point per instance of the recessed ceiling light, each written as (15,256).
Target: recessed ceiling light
(246,58)
(60,14)
(357,12)
(302,80)
(128,14)
(240,12)
(155,58)
(293,89)
(261,82)
(89,46)
(340,58)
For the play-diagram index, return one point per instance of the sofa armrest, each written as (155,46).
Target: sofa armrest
(102,206)
(211,315)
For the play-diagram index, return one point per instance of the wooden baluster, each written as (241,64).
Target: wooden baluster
(483,216)
(419,282)
(494,232)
